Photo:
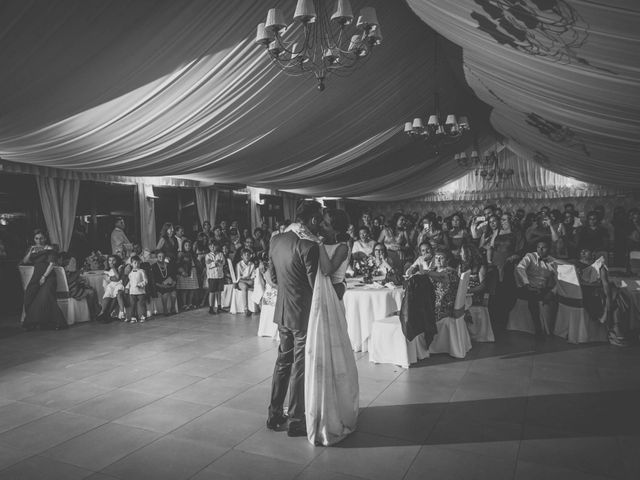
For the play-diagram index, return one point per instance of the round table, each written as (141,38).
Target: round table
(95,279)
(365,303)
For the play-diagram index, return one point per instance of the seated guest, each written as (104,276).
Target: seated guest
(259,244)
(445,280)
(381,260)
(537,232)
(113,289)
(593,236)
(471,259)
(424,263)
(504,245)
(163,276)
(363,247)
(246,245)
(244,276)
(79,289)
(536,275)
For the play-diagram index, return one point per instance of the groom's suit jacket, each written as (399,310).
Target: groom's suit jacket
(293,267)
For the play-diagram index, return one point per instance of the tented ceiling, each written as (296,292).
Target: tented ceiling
(178,88)
(562,76)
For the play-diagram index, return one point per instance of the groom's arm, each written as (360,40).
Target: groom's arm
(310,258)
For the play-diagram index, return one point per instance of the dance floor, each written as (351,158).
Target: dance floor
(186,398)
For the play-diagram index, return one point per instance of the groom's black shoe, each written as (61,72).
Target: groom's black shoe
(297,429)
(277,422)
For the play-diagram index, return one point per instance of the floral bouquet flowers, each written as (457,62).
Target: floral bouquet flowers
(365,266)
(96,261)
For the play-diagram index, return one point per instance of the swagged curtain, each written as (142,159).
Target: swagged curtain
(154,88)
(561,76)
(207,203)
(59,198)
(147,216)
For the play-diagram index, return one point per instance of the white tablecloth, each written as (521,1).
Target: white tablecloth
(95,279)
(364,304)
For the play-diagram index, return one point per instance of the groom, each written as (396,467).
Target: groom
(293,258)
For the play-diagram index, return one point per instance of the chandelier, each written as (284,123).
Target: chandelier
(438,130)
(318,43)
(486,167)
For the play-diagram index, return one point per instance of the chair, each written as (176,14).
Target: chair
(520,319)
(73,310)
(480,329)
(634,262)
(388,344)
(237,305)
(573,322)
(155,305)
(453,336)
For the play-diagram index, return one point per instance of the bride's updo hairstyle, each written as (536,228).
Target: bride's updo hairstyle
(340,222)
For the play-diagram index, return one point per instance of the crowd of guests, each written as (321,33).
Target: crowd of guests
(510,255)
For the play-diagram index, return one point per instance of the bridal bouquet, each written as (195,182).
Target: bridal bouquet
(365,266)
(96,261)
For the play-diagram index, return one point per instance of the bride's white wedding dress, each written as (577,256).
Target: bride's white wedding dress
(331,377)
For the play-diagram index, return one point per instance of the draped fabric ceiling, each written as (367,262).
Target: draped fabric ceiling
(166,88)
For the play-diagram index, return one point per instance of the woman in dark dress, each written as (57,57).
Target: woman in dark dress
(168,243)
(40,304)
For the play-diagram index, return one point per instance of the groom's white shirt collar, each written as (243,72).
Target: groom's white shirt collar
(302,231)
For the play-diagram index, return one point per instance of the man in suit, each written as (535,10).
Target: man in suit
(293,266)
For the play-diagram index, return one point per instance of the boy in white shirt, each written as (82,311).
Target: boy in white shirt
(215,260)
(244,276)
(137,285)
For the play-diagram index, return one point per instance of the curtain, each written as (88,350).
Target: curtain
(59,199)
(147,216)
(207,204)
(254,205)
(289,205)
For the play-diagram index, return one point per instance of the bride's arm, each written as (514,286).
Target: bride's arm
(330,265)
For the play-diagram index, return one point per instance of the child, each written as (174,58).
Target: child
(244,277)
(113,289)
(187,276)
(164,278)
(137,290)
(215,276)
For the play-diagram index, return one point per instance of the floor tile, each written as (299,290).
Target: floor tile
(223,426)
(42,468)
(237,464)
(28,385)
(369,456)
(279,445)
(164,415)
(163,383)
(102,446)
(120,376)
(46,432)
(168,458)
(10,456)
(114,404)
(212,391)
(535,471)
(18,413)
(66,396)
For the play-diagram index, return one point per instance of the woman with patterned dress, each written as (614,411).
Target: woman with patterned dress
(445,281)
(40,303)
(187,283)
(472,260)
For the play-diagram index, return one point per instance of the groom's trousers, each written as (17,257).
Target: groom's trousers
(289,372)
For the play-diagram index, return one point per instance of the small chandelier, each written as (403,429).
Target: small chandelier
(486,167)
(436,130)
(318,43)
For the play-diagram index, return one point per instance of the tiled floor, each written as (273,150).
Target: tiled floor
(186,398)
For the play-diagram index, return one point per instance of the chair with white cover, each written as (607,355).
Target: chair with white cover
(520,319)
(480,329)
(388,344)
(573,322)
(634,262)
(237,304)
(453,336)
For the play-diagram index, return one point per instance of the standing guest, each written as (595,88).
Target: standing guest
(244,278)
(234,232)
(396,239)
(206,228)
(538,232)
(119,240)
(217,235)
(363,247)
(246,233)
(187,283)
(537,276)
(457,235)
(224,226)
(620,236)
(40,303)
(431,232)
(365,221)
(215,262)
(471,259)
(569,208)
(266,231)
(202,243)
(564,237)
(113,289)
(168,243)
(179,235)
(259,244)
(164,277)
(489,233)
(604,223)
(593,236)
(376,227)
(226,252)
(633,230)
(137,291)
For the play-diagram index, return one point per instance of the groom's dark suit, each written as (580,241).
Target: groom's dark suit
(293,267)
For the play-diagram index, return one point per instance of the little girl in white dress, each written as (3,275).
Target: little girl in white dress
(113,289)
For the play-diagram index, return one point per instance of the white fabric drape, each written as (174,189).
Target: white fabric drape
(146,206)
(207,204)
(254,205)
(59,198)
(289,205)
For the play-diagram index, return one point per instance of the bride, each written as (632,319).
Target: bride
(331,376)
